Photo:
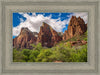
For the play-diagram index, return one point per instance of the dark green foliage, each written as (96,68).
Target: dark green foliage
(60,52)
(33,56)
(37,47)
(79,55)
(26,53)
(18,56)
(44,55)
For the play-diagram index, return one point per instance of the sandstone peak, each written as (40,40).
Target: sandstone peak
(25,30)
(73,17)
(76,27)
(79,17)
(24,39)
(44,24)
(48,36)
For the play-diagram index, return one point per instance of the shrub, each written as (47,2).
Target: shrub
(79,55)
(26,53)
(33,55)
(18,56)
(37,47)
(60,52)
(44,55)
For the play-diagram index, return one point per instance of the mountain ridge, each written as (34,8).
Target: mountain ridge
(24,39)
(47,36)
(76,27)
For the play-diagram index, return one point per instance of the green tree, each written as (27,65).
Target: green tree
(33,55)
(26,53)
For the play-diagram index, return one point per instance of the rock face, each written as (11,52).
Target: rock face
(60,33)
(76,27)
(47,36)
(78,42)
(35,34)
(25,38)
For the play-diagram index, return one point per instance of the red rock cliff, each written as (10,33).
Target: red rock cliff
(24,39)
(76,27)
(47,36)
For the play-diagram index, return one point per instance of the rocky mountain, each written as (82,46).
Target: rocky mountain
(76,27)
(25,38)
(47,36)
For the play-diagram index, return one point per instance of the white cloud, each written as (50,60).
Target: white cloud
(34,22)
(83,15)
(21,20)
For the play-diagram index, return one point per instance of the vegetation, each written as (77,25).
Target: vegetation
(61,52)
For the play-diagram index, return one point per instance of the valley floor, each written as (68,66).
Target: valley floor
(63,51)
(58,53)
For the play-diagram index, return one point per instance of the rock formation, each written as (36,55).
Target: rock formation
(25,38)
(47,36)
(78,42)
(76,27)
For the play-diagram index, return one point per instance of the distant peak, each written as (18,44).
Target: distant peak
(24,30)
(79,17)
(73,16)
(44,24)
(76,18)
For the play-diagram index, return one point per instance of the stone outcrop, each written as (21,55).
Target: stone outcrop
(76,27)
(47,36)
(78,42)
(25,38)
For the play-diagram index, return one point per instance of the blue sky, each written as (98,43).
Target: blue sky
(33,21)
